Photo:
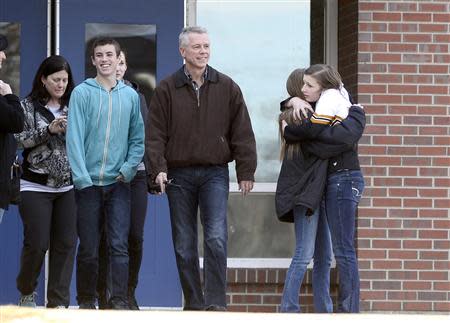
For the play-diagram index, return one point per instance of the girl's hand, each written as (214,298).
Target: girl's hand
(301,107)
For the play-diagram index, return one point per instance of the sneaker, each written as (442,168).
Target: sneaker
(28,300)
(87,306)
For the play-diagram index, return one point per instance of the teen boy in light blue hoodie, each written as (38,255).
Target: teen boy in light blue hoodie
(105,144)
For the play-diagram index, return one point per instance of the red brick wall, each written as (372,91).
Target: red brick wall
(259,290)
(404,225)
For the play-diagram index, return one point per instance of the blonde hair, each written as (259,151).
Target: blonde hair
(294,85)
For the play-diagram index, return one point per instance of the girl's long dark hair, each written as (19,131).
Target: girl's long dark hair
(50,65)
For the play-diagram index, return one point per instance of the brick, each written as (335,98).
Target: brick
(402,48)
(401,233)
(432,7)
(387,160)
(433,89)
(433,28)
(417,79)
(441,58)
(423,182)
(261,288)
(402,171)
(262,309)
(444,38)
(236,308)
(417,306)
(236,288)
(434,131)
(433,255)
(403,27)
(387,78)
(417,38)
(402,130)
(372,233)
(408,6)
(439,99)
(246,299)
(433,193)
(416,161)
(375,6)
(441,307)
(419,203)
(386,16)
(402,275)
(386,202)
(433,275)
(386,223)
(433,213)
(371,254)
(433,234)
(441,224)
(403,213)
(387,37)
(386,306)
(416,285)
(445,203)
(388,244)
(434,69)
(372,47)
(445,286)
(387,181)
(441,244)
(441,17)
(432,296)
(442,265)
(417,58)
(443,171)
(402,254)
(387,140)
(402,296)
(416,17)
(403,89)
(386,285)
(373,295)
(417,244)
(424,265)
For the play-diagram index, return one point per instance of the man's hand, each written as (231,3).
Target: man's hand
(161,179)
(301,107)
(245,187)
(5,88)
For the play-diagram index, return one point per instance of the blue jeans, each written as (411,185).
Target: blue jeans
(312,239)
(343,194)
(204,187)
(94,202)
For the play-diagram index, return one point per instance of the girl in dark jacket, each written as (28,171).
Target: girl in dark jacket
(11,121)
(345,183)
(47,208)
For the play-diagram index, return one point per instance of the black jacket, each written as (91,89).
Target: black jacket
(11,121)
(302,179)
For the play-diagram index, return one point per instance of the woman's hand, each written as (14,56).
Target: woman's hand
(58,126)
(301,107)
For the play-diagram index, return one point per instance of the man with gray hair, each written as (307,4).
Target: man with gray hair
(198,123)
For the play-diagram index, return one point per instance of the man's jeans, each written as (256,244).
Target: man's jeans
(343,194)
(204,187)
(312,239)
(92,202)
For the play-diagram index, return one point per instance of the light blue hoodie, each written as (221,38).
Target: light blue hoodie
(105,134)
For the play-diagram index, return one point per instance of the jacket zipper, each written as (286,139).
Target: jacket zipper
(108,132)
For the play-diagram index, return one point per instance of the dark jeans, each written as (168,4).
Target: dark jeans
(98,205)
(49,221)
(344,190)
(205,188)
(135,238)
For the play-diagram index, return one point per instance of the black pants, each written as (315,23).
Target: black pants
(135,238)
(49,222)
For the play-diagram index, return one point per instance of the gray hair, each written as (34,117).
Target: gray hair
(183,39)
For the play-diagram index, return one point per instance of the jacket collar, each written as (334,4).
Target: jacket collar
(181,78)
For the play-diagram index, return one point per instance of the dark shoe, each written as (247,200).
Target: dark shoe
(103,303)
(117,304)
(87,306)
(132,303)
(216,308)
(28,300)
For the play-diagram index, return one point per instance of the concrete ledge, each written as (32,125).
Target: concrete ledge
(14,314)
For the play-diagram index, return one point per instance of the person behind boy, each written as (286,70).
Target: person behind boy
(105,144)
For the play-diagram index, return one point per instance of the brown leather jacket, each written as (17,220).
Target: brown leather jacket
(211,129)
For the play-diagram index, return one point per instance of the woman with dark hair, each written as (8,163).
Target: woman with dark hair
(47,206)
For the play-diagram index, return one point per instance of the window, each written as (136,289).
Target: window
(257,43)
